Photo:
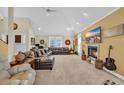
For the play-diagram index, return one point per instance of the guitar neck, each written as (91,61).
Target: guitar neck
(109,54)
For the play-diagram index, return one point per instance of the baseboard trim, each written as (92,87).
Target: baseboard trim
(113,73)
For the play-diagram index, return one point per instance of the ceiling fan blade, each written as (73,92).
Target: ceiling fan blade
(48,9)
(52,10)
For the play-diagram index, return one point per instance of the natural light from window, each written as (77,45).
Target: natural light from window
(55,41)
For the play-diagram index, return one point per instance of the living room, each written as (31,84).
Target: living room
(43,45)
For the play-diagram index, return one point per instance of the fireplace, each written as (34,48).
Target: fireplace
(93,51)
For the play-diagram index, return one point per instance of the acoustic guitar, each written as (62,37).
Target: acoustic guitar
(110,62)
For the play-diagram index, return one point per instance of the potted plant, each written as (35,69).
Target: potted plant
(83,55)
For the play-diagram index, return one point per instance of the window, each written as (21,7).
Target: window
(55,41)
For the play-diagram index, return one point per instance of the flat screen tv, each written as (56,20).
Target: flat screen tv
(93,36)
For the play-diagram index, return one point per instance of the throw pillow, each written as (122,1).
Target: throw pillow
(20,57)
(43,52)
(36,52)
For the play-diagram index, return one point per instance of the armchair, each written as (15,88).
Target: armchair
(17,75)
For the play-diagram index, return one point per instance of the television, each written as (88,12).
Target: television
(93,36)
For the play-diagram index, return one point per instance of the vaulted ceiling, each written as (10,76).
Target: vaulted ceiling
(66,20)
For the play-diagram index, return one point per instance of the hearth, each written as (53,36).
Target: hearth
(93,51)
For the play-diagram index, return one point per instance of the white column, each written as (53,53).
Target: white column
(79,45)
(10,34)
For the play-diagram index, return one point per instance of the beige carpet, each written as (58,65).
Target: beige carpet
(69,69)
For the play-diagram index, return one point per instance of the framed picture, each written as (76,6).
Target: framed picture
(114,31)
(32,41)
(93,36)
(17,38)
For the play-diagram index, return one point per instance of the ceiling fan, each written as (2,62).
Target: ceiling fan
(48,10)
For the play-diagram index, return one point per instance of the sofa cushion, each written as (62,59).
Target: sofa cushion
(1,65)
(28,60)
(22,76)
(4,64)
(19,68)
(20,57)
(4,74)
(37,53)
(31,71)
(41,52)
(47,59)
(10,82)
(29,54)
(24,82)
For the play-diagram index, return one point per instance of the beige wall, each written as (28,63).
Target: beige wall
(3,33)
(46,39)
(117,42)
(3,49)
(24,29)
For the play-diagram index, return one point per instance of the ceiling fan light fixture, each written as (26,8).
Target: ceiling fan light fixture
(85,14)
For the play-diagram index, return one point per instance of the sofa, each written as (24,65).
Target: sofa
(38,58)
(21,74)
(59,50)
(43,51)
(44,63)
(43,60)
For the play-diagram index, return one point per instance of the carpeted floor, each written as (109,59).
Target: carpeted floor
(70,70)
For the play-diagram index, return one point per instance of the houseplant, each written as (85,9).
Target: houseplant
(83,55)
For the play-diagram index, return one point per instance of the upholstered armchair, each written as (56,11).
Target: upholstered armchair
(17,75)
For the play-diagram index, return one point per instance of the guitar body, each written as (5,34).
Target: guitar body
(110,62)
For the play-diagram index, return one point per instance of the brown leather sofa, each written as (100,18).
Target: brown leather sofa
(35,58)
(43,61)
(59,50)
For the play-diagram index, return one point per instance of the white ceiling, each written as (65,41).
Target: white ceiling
(4,11)
(65,21)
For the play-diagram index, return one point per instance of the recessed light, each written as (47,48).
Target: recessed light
(39,28)
(68,29)
(1,18)
(78,23)
(85,14)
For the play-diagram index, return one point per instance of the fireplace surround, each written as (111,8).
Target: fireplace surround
(93,52)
